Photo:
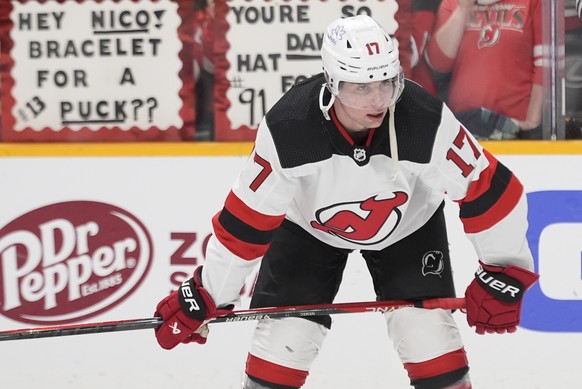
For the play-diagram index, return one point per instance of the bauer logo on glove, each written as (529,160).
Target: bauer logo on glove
(189,298)
(502,287)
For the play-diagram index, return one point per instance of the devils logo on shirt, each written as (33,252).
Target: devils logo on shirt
(490,20)
(364,222)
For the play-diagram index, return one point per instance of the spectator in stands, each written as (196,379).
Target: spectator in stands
(416,19)
(204,68)
(492,50)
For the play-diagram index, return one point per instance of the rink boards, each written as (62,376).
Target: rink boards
(97,232)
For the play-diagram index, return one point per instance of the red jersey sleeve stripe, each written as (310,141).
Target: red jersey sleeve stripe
(498,211)
(249,216)
(477,188)
(245,250)
(498,184)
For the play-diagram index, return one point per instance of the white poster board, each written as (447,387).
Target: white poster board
(96,64)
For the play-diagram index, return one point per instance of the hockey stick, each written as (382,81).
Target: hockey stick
(242,315)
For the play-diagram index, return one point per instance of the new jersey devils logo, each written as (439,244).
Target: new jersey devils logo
(489,36)
(362,222)
(433,263)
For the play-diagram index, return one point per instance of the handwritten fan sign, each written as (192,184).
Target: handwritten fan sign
(274,44)
(95,65)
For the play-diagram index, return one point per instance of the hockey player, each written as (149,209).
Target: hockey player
(357,158)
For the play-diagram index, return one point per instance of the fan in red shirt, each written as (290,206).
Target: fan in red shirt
(416,19)
(492,50)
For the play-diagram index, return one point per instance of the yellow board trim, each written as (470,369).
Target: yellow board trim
(534,147)
(123,149)
(163,149)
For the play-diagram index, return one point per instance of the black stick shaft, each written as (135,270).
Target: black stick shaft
(81,329)
(236,316)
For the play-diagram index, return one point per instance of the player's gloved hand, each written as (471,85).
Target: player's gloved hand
(493,299)
(185,311)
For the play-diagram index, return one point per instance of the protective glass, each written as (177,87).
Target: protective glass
(368,96)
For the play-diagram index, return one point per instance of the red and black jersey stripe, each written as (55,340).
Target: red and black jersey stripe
(491,198)
(244,231)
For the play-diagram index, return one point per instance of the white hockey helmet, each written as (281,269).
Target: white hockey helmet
(358,50)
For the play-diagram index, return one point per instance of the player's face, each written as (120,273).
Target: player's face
(367,96)
(363,106)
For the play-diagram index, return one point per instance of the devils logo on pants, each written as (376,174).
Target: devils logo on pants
(363,222)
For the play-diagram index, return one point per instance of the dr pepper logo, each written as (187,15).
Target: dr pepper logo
(69,261)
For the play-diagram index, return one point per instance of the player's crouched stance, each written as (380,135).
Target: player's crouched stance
(357,158)
(493,305)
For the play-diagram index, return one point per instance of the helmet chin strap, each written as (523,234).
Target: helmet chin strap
(325,108)
(393,142)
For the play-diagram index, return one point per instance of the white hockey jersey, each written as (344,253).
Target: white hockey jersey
(308,170)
